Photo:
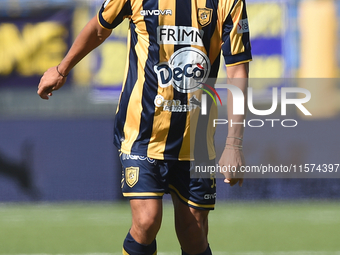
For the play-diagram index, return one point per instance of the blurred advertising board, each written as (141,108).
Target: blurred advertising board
(31,41)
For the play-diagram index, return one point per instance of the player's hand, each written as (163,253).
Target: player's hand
(235,159)
(50,81)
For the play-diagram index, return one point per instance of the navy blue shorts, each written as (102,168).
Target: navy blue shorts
(145,178)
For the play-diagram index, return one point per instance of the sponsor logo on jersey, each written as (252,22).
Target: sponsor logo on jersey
(204,16)
(179,35)
(242,26)
(155,12)
(131,176)
(186,70)
(176,105)
(159,100)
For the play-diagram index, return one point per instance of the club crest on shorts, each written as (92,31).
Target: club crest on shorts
(131,176)
(204,16)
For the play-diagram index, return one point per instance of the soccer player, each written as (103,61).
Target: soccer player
(173,48)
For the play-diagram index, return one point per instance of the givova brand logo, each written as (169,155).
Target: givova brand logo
(155,12)
(186,70)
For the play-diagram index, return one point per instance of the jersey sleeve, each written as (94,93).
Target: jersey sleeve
(235,35)
(113,12)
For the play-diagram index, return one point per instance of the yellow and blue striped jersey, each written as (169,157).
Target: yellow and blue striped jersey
(173,47)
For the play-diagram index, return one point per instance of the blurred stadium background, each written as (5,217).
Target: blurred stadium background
(59,172)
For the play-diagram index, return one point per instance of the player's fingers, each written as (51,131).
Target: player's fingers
(233,182)
(44,93)
(43,96)
(40,93)
(230,181)
(228,177)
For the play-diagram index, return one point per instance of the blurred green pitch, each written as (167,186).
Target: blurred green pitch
(235,228)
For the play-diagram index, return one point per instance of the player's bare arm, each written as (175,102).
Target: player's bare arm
(233,154)
(89,38)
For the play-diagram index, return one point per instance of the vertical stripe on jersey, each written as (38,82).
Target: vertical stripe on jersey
(211,131)
(204,124)
(200,136)
(195,4)
(130,82)
(215,45)
(127,64)
(162,119)
(192,116)
(150,85)
(216,37)
(236,38)
(228,27)
(193,134)
(176,131)
(246,36)
(134,108)
(166,50)
(203,144)
(209,28)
